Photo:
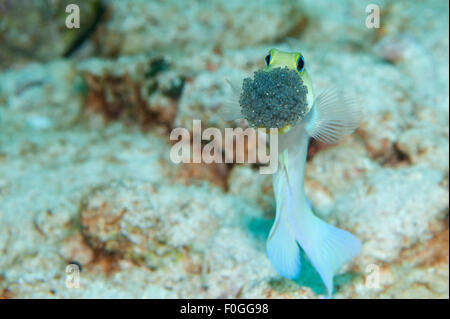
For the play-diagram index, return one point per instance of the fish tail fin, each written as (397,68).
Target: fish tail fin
(283,250)
(327,247)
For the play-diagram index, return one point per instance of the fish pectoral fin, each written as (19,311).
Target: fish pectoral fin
(333,116)
(230,110)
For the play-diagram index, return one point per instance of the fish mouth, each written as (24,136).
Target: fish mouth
(285,129)
(275,98)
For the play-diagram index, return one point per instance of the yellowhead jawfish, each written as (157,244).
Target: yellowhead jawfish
(281,96)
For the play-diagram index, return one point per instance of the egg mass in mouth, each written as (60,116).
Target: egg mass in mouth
(274,98)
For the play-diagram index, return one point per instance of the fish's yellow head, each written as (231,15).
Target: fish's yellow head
(280,95)
(294,61)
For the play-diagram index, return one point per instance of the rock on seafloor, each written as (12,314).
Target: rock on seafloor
(86,176)
(195,26)
(36,31)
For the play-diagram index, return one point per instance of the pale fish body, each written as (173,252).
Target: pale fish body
(330,118)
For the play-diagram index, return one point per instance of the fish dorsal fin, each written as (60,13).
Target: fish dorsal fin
(333,116)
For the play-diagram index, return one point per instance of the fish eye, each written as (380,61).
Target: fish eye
(267,58)
(300,64)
